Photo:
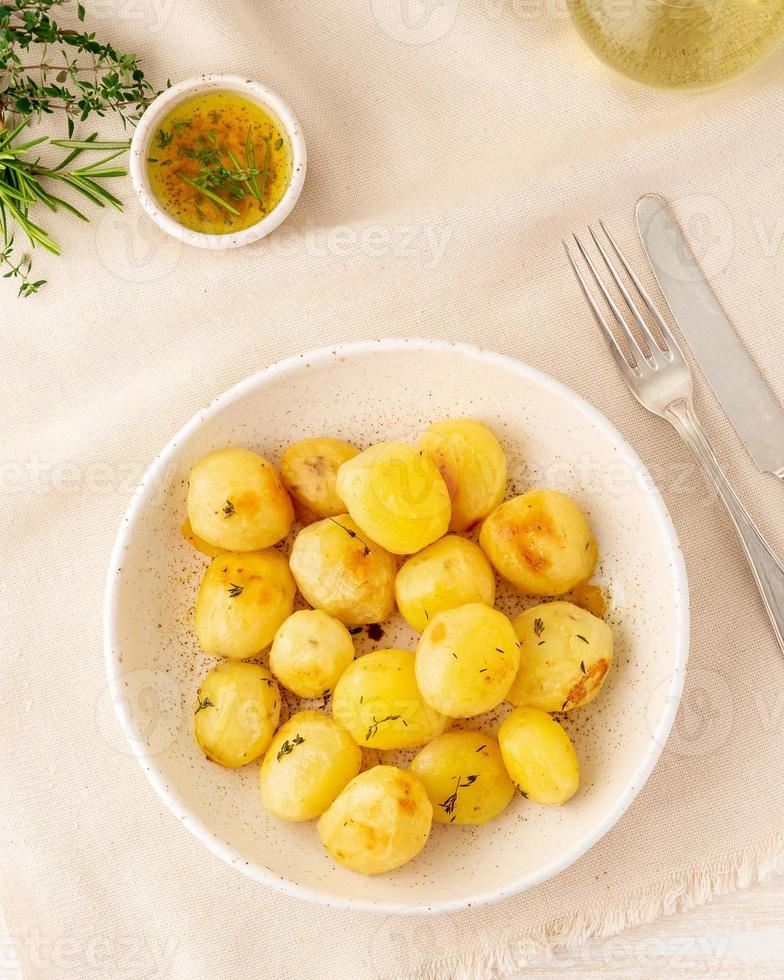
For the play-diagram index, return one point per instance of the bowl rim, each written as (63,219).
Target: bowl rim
(659,736)
(255,92)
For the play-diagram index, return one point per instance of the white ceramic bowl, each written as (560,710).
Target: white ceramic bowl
(366,392)
(148,126)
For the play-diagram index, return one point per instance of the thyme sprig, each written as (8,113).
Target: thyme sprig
(47,70)
(353,534)
(449,804)
(289,746)
(373,727)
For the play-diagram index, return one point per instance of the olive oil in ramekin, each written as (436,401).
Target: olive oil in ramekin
(680,43)
(218,163)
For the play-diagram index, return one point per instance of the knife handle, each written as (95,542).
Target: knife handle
(768,571)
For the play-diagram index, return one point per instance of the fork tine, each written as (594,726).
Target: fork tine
(664,330)
(639,319)
(637,352)
(630,372)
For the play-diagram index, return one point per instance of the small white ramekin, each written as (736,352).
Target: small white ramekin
(255,92)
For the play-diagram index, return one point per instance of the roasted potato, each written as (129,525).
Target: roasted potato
(452,572)
(236,501)
(310,652)
(397,496)
(198,543)
(565,654)
(339,569)
(380,821)
(242,601)
(464,777)
(539,756)
(309,762)
(466,660)
(309,470)
(473,465)
(540,543)
(378,702)
(236,713)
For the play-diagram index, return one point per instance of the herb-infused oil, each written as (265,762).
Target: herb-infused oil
(680,43)
(218,163)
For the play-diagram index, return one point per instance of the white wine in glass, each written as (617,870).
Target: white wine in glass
(680,43)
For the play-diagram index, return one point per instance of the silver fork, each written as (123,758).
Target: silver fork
(660,379)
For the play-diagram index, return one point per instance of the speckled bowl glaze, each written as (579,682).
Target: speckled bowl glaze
(148,125)
(366,392)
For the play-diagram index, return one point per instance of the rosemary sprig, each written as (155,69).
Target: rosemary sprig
(210,195)
(213,178)
(23,186)
(264,171)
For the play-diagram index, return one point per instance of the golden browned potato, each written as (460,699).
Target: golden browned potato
(309,470)
(242,601)
(310,652)
(539,756)
(195,541)
(236,713)
(473,465)
(380,821)
(309,762)
(236,501)
(564,657)
(377,701)
(397,496)
(339,569)
(540,542)
(466,660)
(464,777)
(452,572)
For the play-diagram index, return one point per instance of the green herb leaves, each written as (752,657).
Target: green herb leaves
(46,70)
(373,727)
(206,703)
(289,746)
(449,804)
(22,188)
(219,177)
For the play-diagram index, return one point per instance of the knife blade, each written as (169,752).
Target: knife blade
(731,373)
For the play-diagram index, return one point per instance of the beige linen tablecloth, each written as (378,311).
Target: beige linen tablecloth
(451,144)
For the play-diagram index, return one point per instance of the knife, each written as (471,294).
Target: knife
(731,373)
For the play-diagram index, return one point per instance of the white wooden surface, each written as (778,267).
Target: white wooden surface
(739,937)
